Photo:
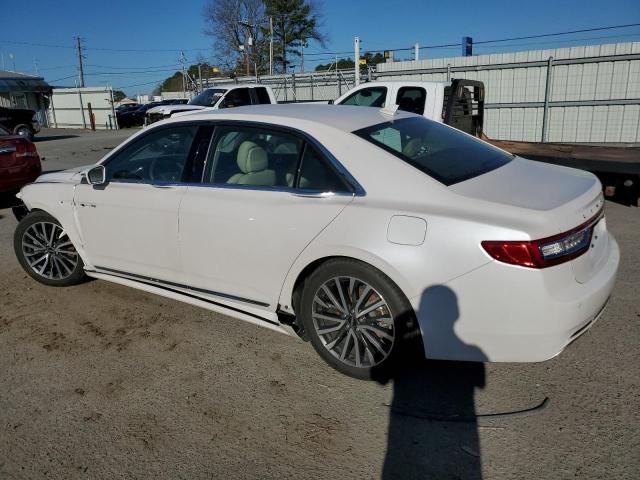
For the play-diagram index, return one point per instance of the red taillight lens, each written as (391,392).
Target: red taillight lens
(514,253)
(545,252)
(26,149)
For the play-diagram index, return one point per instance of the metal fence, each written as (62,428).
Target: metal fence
(577,94)
(69,108)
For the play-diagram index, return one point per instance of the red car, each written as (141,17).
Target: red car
(19,162)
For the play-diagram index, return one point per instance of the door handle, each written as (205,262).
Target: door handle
(313,194)
(155,185)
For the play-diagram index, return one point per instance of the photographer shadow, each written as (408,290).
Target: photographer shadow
(433,429)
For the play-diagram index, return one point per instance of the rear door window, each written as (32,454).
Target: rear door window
(262,95)
(316,174)
(411,99)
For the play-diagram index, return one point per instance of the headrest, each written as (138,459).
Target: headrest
(252,158)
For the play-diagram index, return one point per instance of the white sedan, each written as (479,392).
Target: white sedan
(358,229)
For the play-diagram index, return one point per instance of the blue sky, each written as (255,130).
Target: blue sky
(168,27)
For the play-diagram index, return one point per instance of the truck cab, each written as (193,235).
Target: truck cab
(464,109)
(224,96)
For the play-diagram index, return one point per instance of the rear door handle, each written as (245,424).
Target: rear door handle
(155,185)
(313,195)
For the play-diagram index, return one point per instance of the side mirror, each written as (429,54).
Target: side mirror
(97,175)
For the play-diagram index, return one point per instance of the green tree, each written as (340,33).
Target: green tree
(118,95)
(295,23)
(346,63)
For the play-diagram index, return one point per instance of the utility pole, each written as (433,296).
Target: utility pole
(184,74)
(270,45)
(356,44)
(303,45)
(35,64)
(200,76)
(416,53)
(79,47)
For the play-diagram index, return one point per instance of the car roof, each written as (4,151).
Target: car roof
(229,86)
(341,117)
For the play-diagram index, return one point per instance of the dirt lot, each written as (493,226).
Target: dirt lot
(101,381)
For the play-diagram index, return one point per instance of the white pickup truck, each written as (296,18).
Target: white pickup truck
(224,96)
(463,110)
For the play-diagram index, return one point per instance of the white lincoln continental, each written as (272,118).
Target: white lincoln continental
(358,229)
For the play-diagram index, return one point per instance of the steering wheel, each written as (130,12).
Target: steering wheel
(166,170)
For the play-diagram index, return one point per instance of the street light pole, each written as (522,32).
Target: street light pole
(270,45)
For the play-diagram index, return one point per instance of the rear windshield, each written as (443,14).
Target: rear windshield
(441,152)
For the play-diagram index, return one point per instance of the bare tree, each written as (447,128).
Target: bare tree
(238,39)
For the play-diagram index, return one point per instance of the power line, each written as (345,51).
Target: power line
(136,72)
(559,33)
(133,67)
(63,78)
(140,84)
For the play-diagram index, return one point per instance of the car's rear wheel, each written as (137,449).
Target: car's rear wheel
(45,251)
(355,317)
(24,131)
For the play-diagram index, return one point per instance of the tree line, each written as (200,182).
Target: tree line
(245,33)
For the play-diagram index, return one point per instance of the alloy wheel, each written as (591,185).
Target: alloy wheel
(49,251)
(353,321)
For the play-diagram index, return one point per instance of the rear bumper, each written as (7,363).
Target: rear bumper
(503,313)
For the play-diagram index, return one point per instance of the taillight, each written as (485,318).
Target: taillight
(545,252)
(26,149)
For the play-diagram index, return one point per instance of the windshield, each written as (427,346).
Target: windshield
(441,152)
(208,98)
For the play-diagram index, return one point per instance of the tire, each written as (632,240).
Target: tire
(362,346)
(45,251)
(24,131)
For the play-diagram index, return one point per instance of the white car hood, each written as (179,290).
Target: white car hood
(165,109)
(71,175)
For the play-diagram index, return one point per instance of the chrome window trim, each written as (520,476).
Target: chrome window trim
(356,187)
(358,190)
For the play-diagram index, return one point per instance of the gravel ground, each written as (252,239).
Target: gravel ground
(101,381)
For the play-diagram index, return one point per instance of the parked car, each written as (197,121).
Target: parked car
(355,228)
(135,116)
(127,106)
(19,161)
(20,121)
(227,96)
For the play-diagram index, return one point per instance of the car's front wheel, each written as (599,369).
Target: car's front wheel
(356,318)
(45,251)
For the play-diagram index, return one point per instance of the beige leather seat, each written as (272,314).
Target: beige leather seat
(253,163)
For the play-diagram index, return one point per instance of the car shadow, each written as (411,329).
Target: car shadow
(53,137)
(433,428)
(8,200)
